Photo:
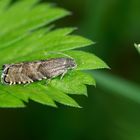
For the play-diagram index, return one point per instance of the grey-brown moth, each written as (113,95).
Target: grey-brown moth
(27,72)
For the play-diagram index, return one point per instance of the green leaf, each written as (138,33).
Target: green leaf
(87,61)
(137,46)
(74,83)
(27,36)
(29,44)
(10,101)
(26,21)
(3,5)
(60,97)
(48,42)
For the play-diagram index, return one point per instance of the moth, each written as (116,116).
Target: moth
(27,72)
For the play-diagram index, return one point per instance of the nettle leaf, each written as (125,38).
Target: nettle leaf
(26,35)
(71,83)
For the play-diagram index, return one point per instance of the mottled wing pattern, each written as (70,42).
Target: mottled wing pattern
(28,72)
(53,67)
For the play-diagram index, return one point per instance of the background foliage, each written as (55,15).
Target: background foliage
(112,111)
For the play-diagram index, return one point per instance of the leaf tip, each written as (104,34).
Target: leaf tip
(137,46)
(105,66)
(78,106)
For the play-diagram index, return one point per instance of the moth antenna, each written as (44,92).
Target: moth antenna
(53,52)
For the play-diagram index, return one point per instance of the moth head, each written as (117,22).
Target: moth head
(71,63)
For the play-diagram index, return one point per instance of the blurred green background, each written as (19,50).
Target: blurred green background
(112,109)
